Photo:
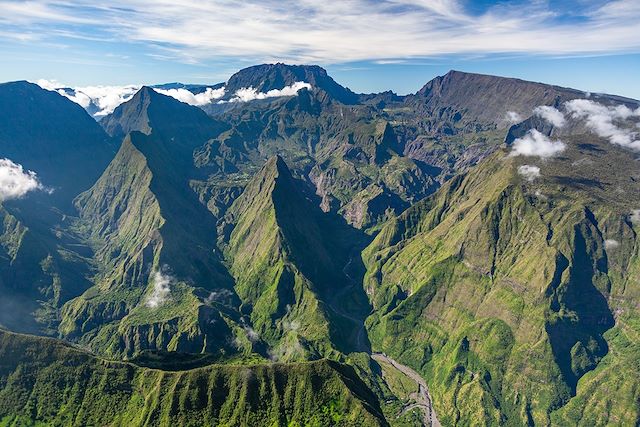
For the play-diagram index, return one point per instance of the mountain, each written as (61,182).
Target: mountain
(152,236)
(54,137)
(266,77)
(149,110)
(475,101)
(142,218)
(467,254)
(514,296)
(286,257)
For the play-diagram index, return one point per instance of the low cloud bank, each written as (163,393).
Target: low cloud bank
(607,121)
(161,288)
(537,144)
(529,172)
(551,115)
(15,182)
(250,94)
(197,99)
(100,100)
(103,100)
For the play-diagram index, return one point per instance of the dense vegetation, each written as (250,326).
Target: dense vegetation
(241,263)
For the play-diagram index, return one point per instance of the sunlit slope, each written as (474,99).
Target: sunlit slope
(517,299)
(48,382)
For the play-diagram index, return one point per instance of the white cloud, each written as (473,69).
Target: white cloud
(49,84)
(250,94)
(101,100)
(607,121)
(330,32)
(252,335)
(15,182)
(551,115)
(106,98)
(529,172)
(513,117)
(161,289)
(634,216)
(539,194)
(536,144)
(611,244)
(197,99)
(218,295)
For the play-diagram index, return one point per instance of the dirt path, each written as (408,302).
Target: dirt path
(422,396)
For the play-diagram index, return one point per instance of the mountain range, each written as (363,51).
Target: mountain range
(293,253)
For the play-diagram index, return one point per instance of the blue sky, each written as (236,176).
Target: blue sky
(364,44)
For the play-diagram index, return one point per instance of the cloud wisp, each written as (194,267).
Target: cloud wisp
(513,117)
(161,288)
(529,172)
(611,244)
(196,99)
(551,115)
(97,100)
(250,94)
(537,144)
(100,101)
(317,31)
(15,182)
(607,121)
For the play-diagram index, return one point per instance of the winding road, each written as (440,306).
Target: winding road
(422,398)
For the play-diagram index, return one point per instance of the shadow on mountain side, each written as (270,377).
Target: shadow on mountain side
(580,314)
(346,299)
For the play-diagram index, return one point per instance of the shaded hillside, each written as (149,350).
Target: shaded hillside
(42,263)
(51,135)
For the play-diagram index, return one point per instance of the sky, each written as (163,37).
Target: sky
(367,45)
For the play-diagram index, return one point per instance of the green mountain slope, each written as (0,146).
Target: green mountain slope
(508,295)
(43,381)
(152,236)
(42,264)
(286,257)
(395,236)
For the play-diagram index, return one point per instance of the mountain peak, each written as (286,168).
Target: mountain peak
(480,101)
(266,77)
(277,164)
(149,111)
